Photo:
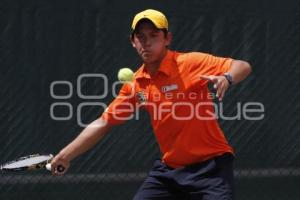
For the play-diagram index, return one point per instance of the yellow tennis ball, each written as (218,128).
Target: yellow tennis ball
(125,74)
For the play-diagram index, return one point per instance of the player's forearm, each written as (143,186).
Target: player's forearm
(92,134)
(239,70)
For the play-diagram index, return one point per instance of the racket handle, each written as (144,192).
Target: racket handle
(48,166)
(59,168)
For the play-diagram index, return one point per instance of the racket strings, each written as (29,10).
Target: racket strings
(27,161)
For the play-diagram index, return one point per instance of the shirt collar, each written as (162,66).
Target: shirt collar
(165,66)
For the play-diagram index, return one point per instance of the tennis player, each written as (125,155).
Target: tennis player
(197,161)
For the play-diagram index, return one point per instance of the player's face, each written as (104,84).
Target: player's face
(150,42)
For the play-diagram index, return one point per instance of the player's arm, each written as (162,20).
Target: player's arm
(116,113)
(91,135)
(239,70)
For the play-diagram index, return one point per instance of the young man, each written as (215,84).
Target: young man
(196,159)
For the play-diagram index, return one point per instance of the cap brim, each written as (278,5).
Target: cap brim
(157,25)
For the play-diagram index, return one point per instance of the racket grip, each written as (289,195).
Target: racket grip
(59,168)
(48,166)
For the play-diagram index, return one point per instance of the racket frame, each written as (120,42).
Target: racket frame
(39,165)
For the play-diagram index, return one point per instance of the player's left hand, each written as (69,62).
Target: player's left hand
(221,84)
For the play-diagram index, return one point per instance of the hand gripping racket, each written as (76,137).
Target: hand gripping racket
(31,162)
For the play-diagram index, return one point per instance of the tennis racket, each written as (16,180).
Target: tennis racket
(31,162)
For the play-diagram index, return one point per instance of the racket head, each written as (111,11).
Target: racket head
(30,162)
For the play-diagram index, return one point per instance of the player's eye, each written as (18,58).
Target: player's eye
(140,36)
(154,35)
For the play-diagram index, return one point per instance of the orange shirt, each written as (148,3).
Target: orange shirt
(180,107)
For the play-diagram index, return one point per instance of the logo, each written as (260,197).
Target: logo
(168,88)
(141,97)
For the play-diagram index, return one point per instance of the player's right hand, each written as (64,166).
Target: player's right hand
(59,164)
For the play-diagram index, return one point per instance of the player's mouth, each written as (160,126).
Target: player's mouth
(146,53)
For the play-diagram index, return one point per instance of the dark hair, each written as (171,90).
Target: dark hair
(164,30)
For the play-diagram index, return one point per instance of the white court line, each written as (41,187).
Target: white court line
(8,178)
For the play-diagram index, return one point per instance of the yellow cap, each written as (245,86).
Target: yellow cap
(158,19)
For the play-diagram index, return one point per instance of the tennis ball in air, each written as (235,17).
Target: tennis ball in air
(125,74)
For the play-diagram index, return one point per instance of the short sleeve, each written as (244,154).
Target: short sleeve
(207,64)
(122,107)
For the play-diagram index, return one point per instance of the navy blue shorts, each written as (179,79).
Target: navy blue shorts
(209,180)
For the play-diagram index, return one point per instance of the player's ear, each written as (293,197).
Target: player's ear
(169,38)
(131,38)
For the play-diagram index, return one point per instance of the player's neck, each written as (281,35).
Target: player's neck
(153,67)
